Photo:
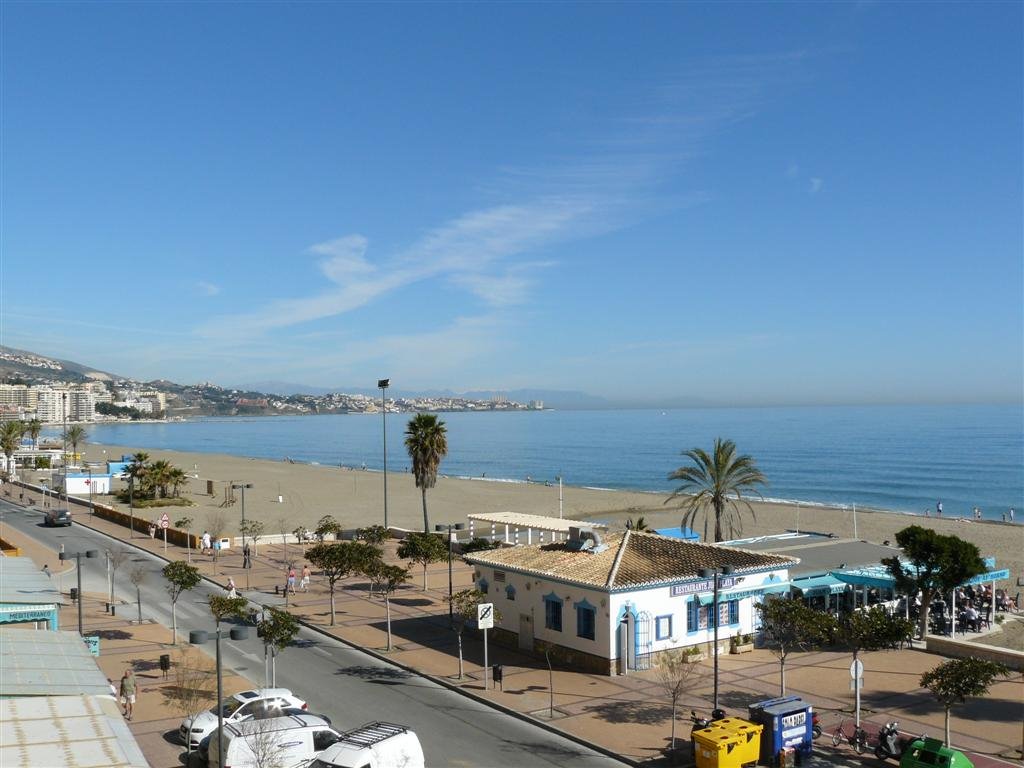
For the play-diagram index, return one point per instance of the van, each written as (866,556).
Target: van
(287,742)
(375,745)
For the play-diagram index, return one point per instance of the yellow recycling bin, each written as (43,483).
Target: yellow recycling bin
(728,743)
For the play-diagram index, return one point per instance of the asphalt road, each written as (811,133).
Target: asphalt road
(349,686)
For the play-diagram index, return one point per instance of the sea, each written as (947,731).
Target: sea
(898,458)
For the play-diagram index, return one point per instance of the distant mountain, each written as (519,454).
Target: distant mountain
(19,363)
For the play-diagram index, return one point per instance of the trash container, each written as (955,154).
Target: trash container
(930,753)
(788,723)
(728,743)
(74,594)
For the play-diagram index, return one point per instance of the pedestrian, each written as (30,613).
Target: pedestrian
(152,529)
(938,508)
(46,570)
(1004,517)
(206,542)
(246,556)
(128,689)
(305,577)
(1011,514)
(291,579)
(232,591)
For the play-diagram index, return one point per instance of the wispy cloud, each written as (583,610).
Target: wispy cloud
(207,289)
(816,185)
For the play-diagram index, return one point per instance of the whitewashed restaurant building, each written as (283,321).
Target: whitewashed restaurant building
(610,602)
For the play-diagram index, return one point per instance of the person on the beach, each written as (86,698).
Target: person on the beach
(46,570)
(305,577)
(938,508)
(1011,514)
(128,688)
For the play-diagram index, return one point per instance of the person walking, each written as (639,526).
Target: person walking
(46,570)
(1011,514)
(128,689)
(232,589)
(291,579)
(207,543)
(305,577)
(246,556)
(938,508)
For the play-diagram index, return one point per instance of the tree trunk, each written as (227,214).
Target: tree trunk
(332,605)
(387,609)
(719,509)
(460,655)
(174,623)
(426,522)
(674,700)
(138,598)
(273,666)
(424,577)
(782,675)
(947,729)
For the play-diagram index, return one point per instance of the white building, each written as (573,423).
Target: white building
(51,404)
(81,405)
(610,603)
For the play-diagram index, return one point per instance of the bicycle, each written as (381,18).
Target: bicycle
(857,738)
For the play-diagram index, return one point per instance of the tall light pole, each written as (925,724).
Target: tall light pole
(383,384)
(78,567)
(199,637)
(451,527)
(64,463)
(242,487)
(92,511)
(715,573)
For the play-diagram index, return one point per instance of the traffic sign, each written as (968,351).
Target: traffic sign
(165,521)
(485,616)
(856,669)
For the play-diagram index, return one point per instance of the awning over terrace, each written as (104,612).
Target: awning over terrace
(877,576)
(723,597)
(819,585)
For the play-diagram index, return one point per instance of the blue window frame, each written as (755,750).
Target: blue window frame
(663,627)
(586,619)
(553,612)
(510,592)
(482,585)
(734,611)
(700,617)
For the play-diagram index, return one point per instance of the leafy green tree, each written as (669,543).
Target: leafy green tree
(374,534)
(327,526)
(180,577)
(640,524)
(937,565)
(464,605)
(10,440)
(136,472)
(426,440)
(479,545)
(159,478)
(423,548)
(75,434)
(714,487)
(33,429)
(387,579)
(277,629)
(224,607)
(336,561)
(791,625)
(953,681)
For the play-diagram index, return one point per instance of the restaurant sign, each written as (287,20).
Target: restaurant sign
(704,585)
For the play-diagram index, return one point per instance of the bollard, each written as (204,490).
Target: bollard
(106,607)
(277,589)
(74,594)
(113,609)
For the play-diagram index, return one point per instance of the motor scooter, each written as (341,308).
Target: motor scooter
(890,744)
(700,723)
(815,725)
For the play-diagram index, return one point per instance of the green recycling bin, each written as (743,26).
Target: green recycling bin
(931,753)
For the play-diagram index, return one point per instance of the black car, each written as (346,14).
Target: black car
(57,517)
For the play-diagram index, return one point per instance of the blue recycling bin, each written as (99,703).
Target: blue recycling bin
(787,722)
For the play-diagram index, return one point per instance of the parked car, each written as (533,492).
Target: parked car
(285,741)
(55,517)
(374,745)
(261,703)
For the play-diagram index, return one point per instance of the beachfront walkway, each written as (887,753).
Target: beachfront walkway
(628,715)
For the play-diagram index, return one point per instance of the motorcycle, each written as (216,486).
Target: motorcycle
(815,725)
(700,723)
(890,744)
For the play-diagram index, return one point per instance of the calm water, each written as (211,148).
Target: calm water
(889,457)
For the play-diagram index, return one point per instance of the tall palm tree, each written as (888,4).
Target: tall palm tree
(33,430)
(427,443)
(177,479)
(10,441)
(715,486)
(159,477)
(76,434)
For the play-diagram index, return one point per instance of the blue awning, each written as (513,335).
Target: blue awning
(819,585)
(879,577)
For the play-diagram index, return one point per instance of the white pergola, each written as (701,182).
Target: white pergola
(512,527)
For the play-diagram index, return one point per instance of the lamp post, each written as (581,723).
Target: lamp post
(715,574)
(199,637)
(64,462)
(451,527)
(78,567)
(242,487)
(92,511)
(383,384)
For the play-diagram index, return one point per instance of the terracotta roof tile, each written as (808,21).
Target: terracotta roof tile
(644,559)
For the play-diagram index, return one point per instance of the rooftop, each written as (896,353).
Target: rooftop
(537,522)
(21,581)
(631,559)
(819,553)
(40,663)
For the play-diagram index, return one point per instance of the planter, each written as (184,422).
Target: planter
(741,648)
(694,658)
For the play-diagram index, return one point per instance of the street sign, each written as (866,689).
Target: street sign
(485,616)
(165,521)
(856,669)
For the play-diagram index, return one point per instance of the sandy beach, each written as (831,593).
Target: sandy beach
(285,495)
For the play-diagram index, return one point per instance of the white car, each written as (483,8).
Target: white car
(245,705)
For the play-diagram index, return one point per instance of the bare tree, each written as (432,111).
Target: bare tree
(116,558)
(263,743)
(195,680)
(138,577)
(254,529)
(674,675)
(282,528)
(216,522)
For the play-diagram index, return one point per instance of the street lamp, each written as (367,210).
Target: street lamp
(199,637)
(383,384)
(440,529)
(64,463)
(78,559)
(92,511)
(242,487)
(716,574)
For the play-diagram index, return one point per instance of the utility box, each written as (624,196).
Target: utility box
(728,743)
(788,723)
(931,753)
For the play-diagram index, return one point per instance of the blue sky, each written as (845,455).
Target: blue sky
(730,203)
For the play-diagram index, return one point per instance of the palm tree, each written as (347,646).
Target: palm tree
(33,430)
(715,485)
(159,477)
(10,441)
(177,478)
(427,442)
(76,434)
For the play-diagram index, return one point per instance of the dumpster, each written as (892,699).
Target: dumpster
(930,753)
(728,743)
(787,724)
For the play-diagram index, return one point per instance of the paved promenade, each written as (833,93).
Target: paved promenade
(628,715)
